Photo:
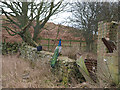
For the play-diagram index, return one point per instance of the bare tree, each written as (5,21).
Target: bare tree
(86,16)
(23,15)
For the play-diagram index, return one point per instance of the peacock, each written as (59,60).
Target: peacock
(56,54)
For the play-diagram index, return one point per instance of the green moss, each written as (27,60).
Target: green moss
(65,81)
(67,71)
(8,47)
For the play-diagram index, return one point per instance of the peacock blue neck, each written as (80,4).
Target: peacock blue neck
(59,43)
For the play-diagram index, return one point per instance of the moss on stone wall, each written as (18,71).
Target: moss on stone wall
(66,69)
(10,48)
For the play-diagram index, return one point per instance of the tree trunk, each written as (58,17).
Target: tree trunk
(28,39)
(36,32)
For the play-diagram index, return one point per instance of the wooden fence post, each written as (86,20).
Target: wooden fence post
(119,41)
(119,51)
(80,44)
(70,43)
(48,43)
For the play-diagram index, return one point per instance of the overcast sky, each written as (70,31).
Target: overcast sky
(61,18)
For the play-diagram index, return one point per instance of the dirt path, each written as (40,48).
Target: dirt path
(20,73)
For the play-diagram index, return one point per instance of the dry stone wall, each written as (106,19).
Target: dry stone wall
(66,69)
(32,54)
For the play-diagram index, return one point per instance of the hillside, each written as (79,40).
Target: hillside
(49,31)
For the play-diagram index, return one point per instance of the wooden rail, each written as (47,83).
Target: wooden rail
(69,42)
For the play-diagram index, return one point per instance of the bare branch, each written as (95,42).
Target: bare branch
(8,17)
(8,30)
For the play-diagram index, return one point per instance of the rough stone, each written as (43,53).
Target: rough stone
(66,69)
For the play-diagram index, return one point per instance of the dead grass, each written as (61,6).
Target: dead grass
(18,73)
(71,51)
(22,73)
(74,52)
